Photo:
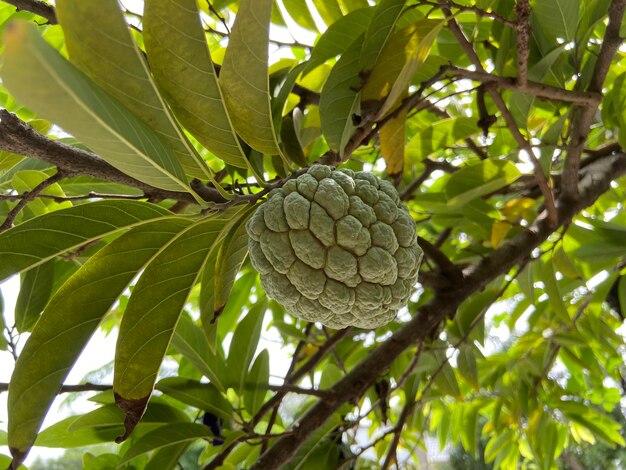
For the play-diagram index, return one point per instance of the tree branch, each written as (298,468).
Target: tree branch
(584,98)
(18,137)
(38,7)
(583,116)
(523,11)
(595,181)
(29,196)
(87,387)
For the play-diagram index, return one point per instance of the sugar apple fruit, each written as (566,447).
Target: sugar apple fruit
(337,247)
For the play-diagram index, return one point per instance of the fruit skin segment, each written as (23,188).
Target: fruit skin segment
(336,247)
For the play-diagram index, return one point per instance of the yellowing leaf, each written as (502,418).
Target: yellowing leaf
(398,62)
(515,209)
(499,230)
(392,140)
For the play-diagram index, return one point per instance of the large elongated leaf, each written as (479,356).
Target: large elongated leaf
(182,65)
(329,11)
(559,18)
(339,101)
(299,12)
(244,76)
(102,47)
(152,313)
(379,31)
(392,137)
(200,395)
(257,380)
(41,79)
(244,344)
(339,36)
(35,290)
(191,342)
(38,240)
(225,262)
(480,179)
(232,253)
(165,436)
(418,39)
(68,322)
(439,135)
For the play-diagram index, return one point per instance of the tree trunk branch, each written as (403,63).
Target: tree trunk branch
(583,115)
(38,7)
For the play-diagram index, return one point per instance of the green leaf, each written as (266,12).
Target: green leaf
(70,319)
(60,435)
(182,65)
(339,100)
(379,31)
(110,415)
(317,439)
(466,364)
(166,458)
(232,252)
(329,11)
(339,36)
(439,135)
(256,383)
(480,179)
(153,311)
(559,18)
(27,180)
(192,343)
(299,12)
(38,240)
(41,79)
(555,297)
(225,258)
(243,345)
(35,290)
(204,396)
(244,76)
(103,48)
(165,436)
(593,240)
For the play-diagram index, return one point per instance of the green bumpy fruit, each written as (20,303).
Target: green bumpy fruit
(336,247)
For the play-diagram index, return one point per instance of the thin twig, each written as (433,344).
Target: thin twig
(28,197)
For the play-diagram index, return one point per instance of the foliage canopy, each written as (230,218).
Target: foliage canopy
(135,146)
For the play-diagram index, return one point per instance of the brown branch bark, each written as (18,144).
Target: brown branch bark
(596,179)
(37,7)
(584,98)
(582,118)
(522,10)
(18,137)
(87,387)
